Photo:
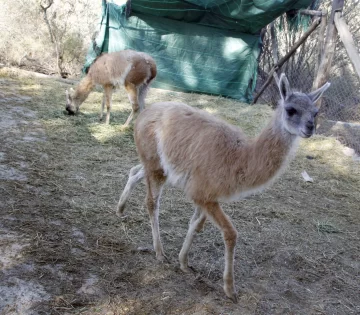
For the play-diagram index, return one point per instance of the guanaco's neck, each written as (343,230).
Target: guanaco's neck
(267,154)
(82,91)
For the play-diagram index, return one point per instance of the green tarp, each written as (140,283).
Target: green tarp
(206,46)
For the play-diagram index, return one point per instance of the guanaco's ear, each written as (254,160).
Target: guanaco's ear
(284,87)
(314,96)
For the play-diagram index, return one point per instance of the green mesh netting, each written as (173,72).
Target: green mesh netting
(206,46)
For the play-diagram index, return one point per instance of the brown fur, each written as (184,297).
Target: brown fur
(134,70)
(212,160)
(201,143)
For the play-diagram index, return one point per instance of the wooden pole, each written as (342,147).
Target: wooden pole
(321,43)
(348,41)
(279,64)
(329,48)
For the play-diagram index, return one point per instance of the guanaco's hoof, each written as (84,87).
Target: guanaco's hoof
(162,259)
(120,208)
(232,296)
(188,269)
(145,249)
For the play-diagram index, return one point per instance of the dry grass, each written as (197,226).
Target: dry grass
(284,264)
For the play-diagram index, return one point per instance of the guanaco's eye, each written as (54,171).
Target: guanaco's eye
(291,111)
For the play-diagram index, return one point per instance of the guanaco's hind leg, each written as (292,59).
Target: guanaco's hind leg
(143,89)
(102,106)
(222,221)
(108,90)
(133,94)
(196,225)
(155,182)
(136,175)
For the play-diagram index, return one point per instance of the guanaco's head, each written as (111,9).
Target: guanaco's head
(298,110)
(70,107)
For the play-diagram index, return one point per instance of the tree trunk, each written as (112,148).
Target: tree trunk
(53,38)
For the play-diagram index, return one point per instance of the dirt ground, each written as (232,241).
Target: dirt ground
(63,250)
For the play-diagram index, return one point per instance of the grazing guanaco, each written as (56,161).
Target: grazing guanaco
(129,68)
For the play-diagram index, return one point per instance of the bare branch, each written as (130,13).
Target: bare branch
(287,56)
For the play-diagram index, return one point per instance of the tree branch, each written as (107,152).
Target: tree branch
(280,63)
